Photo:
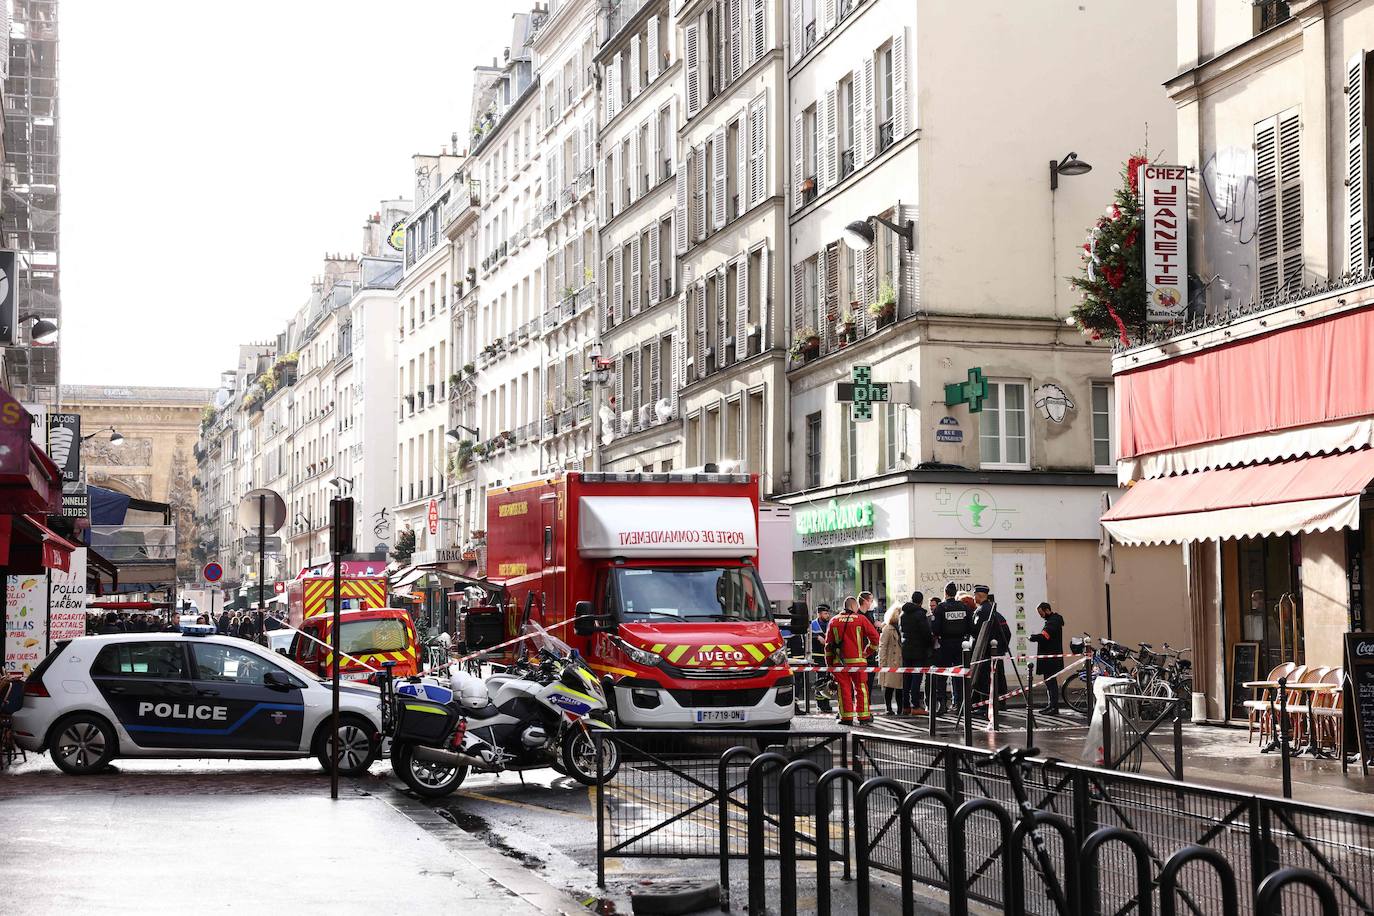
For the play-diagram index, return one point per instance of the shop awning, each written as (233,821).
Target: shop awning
(1319,493)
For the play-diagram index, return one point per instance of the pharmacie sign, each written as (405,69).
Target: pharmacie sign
(1164,200)
(833,521)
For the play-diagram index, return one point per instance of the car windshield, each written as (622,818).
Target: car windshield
(687,593)
(359,637)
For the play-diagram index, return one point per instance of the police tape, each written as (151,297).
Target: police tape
(1058,675)
(501,645)
(321,642)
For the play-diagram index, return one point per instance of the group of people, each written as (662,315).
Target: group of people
(251,625)
(124,622)
(916,636)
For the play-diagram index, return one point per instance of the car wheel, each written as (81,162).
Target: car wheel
(357,746)
(82,744)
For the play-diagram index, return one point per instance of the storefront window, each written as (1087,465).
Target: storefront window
(833,575)
(1270,599)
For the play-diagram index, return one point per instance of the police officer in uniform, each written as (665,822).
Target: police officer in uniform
(849,640)
(1000,632)
(952,624)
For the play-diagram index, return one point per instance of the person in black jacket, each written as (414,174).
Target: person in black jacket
(222,626)
(917,644)
(1049,641)
(999,632)
(953,623)
(246,629)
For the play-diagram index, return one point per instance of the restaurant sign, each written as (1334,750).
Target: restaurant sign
(1164,201)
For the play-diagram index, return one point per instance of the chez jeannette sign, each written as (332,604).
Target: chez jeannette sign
(1164,199)
(834,522)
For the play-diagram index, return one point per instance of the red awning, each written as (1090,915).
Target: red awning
(57,550)
(1321,493)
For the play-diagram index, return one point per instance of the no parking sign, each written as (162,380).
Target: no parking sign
(212,572)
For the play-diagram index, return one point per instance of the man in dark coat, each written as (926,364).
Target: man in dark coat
(988,616)
(222,626)
(246,628)
(1049,641)
(917,646)
(951,626)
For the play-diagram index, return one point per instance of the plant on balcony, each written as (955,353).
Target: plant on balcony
(479,449)
(1113,278)
(469,369)
(454,379)
(405,546)
(884,308)
(845,325)
(806,343)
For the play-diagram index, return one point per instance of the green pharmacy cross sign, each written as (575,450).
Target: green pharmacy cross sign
(973,392)
(862,393)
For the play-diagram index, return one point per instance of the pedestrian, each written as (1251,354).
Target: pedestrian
(990,678)
(202,621)
(797,629)
(849,640)
(890,656)
(245,630)
(952,624)
(111,624)
(917,646)
(222,626)
(1049,642)
(818,628)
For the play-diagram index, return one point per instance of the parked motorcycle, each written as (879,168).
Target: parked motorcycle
(540,712)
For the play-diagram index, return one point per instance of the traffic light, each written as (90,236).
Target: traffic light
(341,525)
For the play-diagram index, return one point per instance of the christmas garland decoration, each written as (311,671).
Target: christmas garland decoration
(1113,278)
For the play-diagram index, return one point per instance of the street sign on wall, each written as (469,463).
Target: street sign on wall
(64,445)
(432,516)
(1164,199)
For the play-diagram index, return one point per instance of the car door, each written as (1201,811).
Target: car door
(257,716)
(149,691)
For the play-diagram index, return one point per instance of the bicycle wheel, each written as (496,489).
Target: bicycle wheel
(1160,697)
(1074,693)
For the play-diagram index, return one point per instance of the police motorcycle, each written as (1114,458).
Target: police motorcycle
(539,712)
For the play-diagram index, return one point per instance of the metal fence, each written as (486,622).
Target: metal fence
(940,815)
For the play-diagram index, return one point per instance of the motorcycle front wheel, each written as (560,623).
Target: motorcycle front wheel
(579,757)
(426,779)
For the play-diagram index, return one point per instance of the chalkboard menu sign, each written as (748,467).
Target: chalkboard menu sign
(1359,693)
(1244,667)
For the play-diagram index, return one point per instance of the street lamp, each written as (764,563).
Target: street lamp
(859,234)
(115,437)
(338,482)
(44,330)
(455,435)
(1069,165)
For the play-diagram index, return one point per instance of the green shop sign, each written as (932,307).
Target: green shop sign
(834,517)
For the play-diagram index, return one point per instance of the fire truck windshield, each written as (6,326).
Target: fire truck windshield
(687,593)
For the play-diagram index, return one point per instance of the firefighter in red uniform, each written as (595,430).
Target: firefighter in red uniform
(849,640)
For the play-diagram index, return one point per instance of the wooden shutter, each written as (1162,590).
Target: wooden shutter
(602,299)
(900,118)
(579,267)
(654,167)
(619,393)
(617,285)
(691,47)
(1267,210)
(870,285)
(680,206)
(635,276)
(759,33)
(634,67)
(742,306)
(741,163)
(824,325)
(559,274)
(856,116)
(722,314)
(758,144)
(798,163)
(798,298)
(635,169)
(588,129)
(612,76)
(765,302)
(798,33)
(601,197)
(831,286)
(701,328)
(736,40)
(655,375)
(652,41)
(1357,182)
(679,350)
(699,198)
(576,158)
(1290,199)
(828,18)
(868,115)
(655,286)
(637,385)
(718,178)
(830,155)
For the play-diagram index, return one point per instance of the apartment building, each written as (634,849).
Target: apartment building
(507,158)
(565,46)
(729,234)
(931,251)
(639,295)
(423,363)
(461,228)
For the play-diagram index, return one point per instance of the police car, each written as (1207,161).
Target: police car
(183,695)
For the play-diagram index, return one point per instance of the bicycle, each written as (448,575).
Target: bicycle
(1109,661)
(1013,760)
(1152,682)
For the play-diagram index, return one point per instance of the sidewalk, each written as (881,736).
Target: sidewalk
(160,839)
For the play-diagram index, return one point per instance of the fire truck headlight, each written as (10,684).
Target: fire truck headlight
(640,656)
(779,657)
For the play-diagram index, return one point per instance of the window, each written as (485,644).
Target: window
(165,660)
(809,155)
(810,306)
(846,126)
(1278,182)
(1002,427)
(885,98)
(1104,445)
(849,447)
(1269,13)
(892,437)
(813,450)
(230,664)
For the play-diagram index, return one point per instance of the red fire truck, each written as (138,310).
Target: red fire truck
(661,573)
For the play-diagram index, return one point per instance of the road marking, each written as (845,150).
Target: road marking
(476,796)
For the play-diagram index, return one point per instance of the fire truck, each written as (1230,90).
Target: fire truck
(371,632)
(654,579)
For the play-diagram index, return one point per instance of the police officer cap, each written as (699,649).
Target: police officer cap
(981,588)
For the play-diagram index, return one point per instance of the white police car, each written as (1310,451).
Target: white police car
(181,695)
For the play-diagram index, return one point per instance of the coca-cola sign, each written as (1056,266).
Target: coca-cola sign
(1364,649)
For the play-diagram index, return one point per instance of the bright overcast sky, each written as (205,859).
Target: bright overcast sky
(212,153)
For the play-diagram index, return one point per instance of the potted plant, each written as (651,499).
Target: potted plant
(885,307)
(845,327)
(806,343)
(454,379)
(469,368)
(479,449)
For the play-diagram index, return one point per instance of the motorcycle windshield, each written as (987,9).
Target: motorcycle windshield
(540,638)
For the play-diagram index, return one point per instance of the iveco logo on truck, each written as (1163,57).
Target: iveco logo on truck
(183,711)
(720,656)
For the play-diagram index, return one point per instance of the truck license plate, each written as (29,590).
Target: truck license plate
(722,715)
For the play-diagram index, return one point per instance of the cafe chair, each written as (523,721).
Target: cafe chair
(1327,709)
(1258,707)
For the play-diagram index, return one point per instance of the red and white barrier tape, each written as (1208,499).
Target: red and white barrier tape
(501,645)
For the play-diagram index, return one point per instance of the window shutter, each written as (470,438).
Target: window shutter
(870,285)
(576,158)
(679,351)
(798,167)
(612,74)
(736,40)
(636,383)
(765,301)
(1358,180)
(699,200)
(635,71)
(602,300)
(579,277)
(635,168)
(742,306)
(690,42)
(655,286)
(588,129)
(617,286)
(1267,226)
(558,275)
(619,392)
(718,179)
(758,141)
(680,207)
(830,155)
(855,115)
(701,328)
(798,299)
(899,97)
(868,115)
(653,48)
(826,327)
(741,163)
(601,179)
(798,36)
(654,167)
(831,286)
(635,276)
(759,33)
(655,375)
(1290,199)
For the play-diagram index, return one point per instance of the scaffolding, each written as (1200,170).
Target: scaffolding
(29,195)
